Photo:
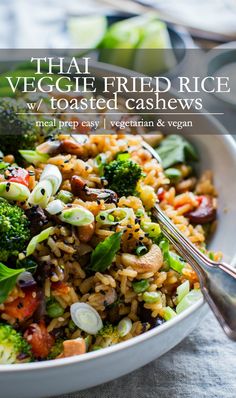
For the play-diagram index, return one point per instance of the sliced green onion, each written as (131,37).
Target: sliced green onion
(211,256)
(4,165)
(141,250)
(123,156)
(140,286)
(65,196)
(34,157)
(14,191)
(41,194)
(88,341)
(173,174)
(182,290)
(164,246)
(86,317)
(139,213)
(72,326)
(151,297)
(192,297)
(77,215)
(52,173)
(101,161)
(124,327)
(175,262)
(44,235)
(121,214)
(55,207)
(152,229)
(169,313)
(54,310)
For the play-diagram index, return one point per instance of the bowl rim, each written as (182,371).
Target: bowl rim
(55,363)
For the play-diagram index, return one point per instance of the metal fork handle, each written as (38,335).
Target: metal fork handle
(217,279)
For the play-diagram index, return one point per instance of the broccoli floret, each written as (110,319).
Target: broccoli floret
(13,347)
(14,230)
(109,334)
(17,131)
(122,176)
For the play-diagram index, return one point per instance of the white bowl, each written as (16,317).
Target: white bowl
(43,379)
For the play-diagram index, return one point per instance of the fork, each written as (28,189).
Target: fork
(217,279)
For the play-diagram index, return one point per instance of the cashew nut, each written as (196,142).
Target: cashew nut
(150,262)
(71,147)
(86,232)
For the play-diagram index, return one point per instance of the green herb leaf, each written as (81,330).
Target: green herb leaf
(175,149)
(104,253)
(8,278)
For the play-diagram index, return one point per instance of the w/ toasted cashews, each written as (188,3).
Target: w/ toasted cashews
(149,262)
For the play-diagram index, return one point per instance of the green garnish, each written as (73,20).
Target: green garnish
(123,156)
(152,229)
(141,250)
(169,313)
(173,174)
(104,253)
(151,297)
(8,277)
(54,309)
(140,286)
(175,149)
(65,196)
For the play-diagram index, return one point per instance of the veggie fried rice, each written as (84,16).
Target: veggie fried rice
(82,263)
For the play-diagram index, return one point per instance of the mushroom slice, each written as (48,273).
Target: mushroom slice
(80,189)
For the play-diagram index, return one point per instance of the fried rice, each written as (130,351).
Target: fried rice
(63,275)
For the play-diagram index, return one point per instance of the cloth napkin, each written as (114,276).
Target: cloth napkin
(201,366)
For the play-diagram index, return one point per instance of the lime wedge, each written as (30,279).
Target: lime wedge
(154,53)
(87,31)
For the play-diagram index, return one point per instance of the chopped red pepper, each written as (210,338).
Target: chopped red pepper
(161,194)
(23,307)
(20,175)
(199,199)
